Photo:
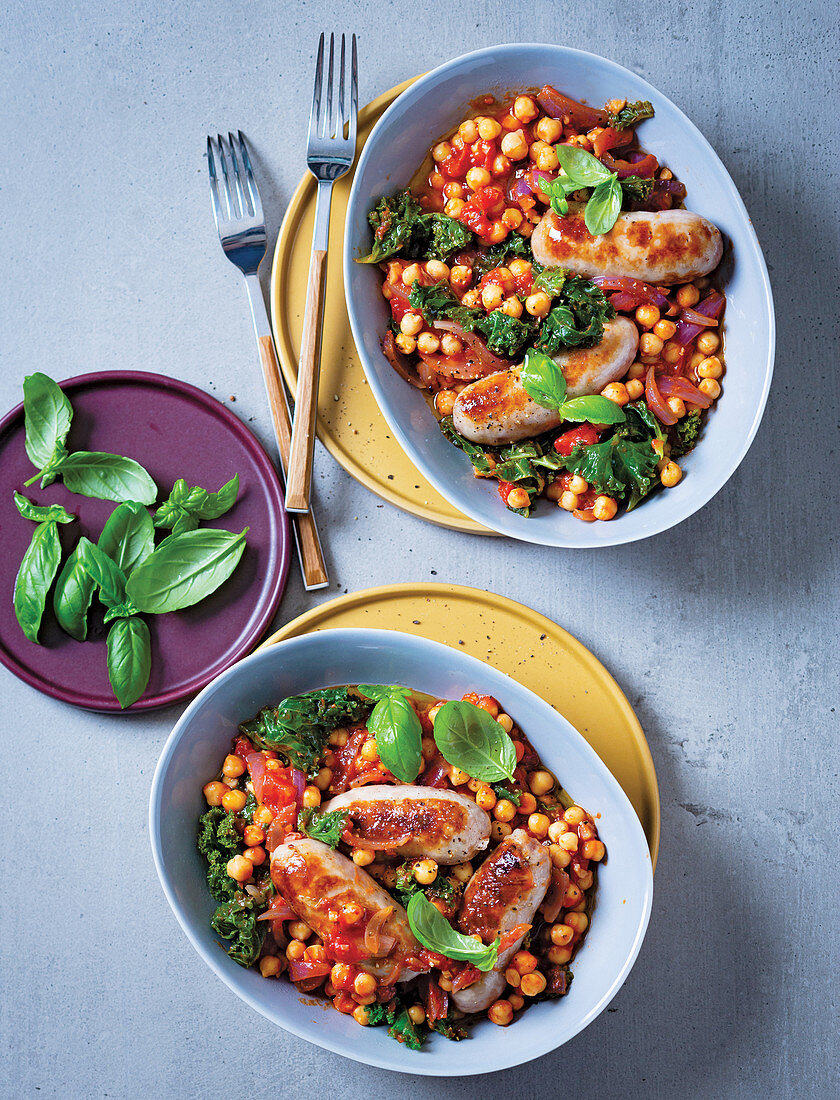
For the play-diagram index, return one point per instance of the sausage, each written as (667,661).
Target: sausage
(496,409)
(316,881)
(506,890)
(416,821)
(666,246)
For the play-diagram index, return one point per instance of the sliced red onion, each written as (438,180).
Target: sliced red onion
(677,386)
(712,306)
(645,293)
(655,401)
(299,784)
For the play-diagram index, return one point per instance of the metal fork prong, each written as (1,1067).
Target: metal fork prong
(354,94)
(341,118)
(314,114)
(214,183)
(256,202)
(227,190)
(326,118)
(237,178)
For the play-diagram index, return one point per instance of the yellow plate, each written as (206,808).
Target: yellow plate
(527,647)
(350,424)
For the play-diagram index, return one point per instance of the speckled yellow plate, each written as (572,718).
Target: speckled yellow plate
(526,646)
(350,424)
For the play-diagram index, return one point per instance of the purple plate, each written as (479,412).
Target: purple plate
(175,430)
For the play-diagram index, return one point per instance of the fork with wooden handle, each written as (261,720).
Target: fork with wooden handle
(241,224)
(329,155)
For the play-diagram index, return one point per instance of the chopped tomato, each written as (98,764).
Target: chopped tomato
(243,747)
(345,948)
(466,975)
(583,436)
(456,164)
(475,219)
(504,489)
(489,200)
(610,139)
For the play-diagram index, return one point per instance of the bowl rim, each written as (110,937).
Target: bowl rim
(613,537)
(217,960)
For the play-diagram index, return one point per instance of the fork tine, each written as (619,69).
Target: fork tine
(354,94)
(253,190)
(237,178)
(228,193)
(326,117)
(338,128)
(316,94)
(214,183)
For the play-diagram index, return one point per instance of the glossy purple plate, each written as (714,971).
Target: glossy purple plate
(175,430)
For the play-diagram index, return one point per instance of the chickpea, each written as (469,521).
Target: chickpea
(311,798)
(489,129)
(453,190)
(574,815)
(569,841)
(672,352)
(445,402)
(616,392)
(299,930)
(263,816)
(604,508)
(533,984)
(710,368)
(518,498)
(513,977)
(485,797)
(437,269)
(477,177)
(471,299)
(428,747)
(587,831)
(573,893)
(514,145)
(454,208)
(460,276)
(542,782)
(549,129)
(500,1012)
(361,1015)
(417,1014)
(500,165)
(585,879)
(594,850)
(425,871)
(441,151)
(500,829)
(498,232)
(663,329)
(562,934)
(578,922)
(411,324)
(468,131)
(708,342)
(315,953)
(233,766)
(556,830)
(341,975)
(463,872)
(559,856)
(240,868)
(323,778)
(688,296)
(635,388)
(636,371)
(451,345)
(568,501)
(364,984)
(269,966)
(255,854)
(516,1002)
(512,307)
(295,950)
(547,160)
(254,835)
(214,792)
(512,218)
(649,344)
(492,296)
(411,274)
(524,962)
(338,738)
(710,387)
(647,316)
(527,803)
(677,407)
(436,181)
(473,784)
(444,982)
(525,109)
(457,776)
(538,824)
(234,801)
(559,955)
(538,304)
(406,344)
(362,858)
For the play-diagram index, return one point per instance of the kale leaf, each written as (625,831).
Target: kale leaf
(551,280)
(450,1029)
(402,1027)
(218,841)
(503,335)
(406,886)
(577,320)
(483,460)
(236,921)
(684,434)
(326,827)
(636,189)
(400,227)
(299,727)
(496,255)
(630,114)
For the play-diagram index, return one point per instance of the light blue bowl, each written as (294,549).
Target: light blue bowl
(432,107)
(198,744)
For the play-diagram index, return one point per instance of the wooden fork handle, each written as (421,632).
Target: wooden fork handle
(299,478)
(309,546)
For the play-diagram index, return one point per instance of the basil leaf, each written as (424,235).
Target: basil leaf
(185,569)
(129,659)
(594,409)
(396,727)
(47,415)
(435,932)
(120,611)
(128,537)
(556,191)
(34,577)
(186,521)
(41,512)
(382,691)
(72,597)
(105,573)
(471,740)
(543,379)
(581,167)
(603,207)
(52,469)
(216,504)
(107,477)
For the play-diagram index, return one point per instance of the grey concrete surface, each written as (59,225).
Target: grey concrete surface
(722,631)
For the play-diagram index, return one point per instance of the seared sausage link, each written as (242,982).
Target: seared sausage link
(415,821)
(506,890)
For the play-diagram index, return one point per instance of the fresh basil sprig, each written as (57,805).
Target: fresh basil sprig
(185,569)
(396,727)
(39,564)
(545,383)
(582,170)
(435,932)
(47,418)
(187,505)
(471,740)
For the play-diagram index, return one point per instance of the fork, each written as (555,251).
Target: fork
(241,224)
(329,155)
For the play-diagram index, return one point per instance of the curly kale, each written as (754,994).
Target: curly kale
(577,319)
(406,886)
(218,841)
(630,114)
(236,921)
(503,335)
(401,228)
(326,827)
(684,434)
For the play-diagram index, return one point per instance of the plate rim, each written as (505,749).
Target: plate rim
(611,537)
(303,623)
(260,456)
